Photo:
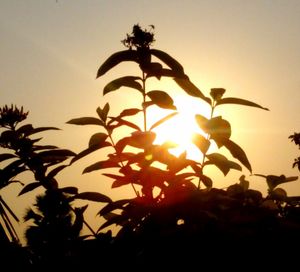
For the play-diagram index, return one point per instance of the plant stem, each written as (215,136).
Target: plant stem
(207,138)
(144,101)
(122,164)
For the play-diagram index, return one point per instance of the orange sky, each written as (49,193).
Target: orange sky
(50,52)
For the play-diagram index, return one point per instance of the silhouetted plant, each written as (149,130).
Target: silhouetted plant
(296,139)
(175,178)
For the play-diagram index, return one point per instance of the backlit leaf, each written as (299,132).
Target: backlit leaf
(238,153)
(115,59)
(219,130)
(119,204)
(137,139)
(239,101)
(201,121)
(207,181)
(100,165)
(222,163)
(161,99)
(55,171)
(126,81)
(168,60)
(97,139)
(6,156)
(166,118)
(93,196)
(201,142)
(89,150)
(191,89)
(29,187)
(85,121)
(217,93)
(129,112)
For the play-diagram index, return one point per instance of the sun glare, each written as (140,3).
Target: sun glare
(181,128)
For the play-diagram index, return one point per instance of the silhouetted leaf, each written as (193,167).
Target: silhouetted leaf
(100,165)
(6,156)
(166,118)
(222,163)
(217,93)
(93,196)
(55,171)
(43,147)
(122,122)
(168,60)
(207,181)
(97,139)
(89,150)
(25,129)
(161,99)
(191,89)
(119,204)
(137,139)
(201,142)
(126,81)
(117,219)
(273,181)
(48,155)
(279,194)
(129,112)
(218,129)
(233,100)
(201,121)
(69,190)
(238,153)
(115,59)
(86,121)
(41,129)
(29,187)
(163,72)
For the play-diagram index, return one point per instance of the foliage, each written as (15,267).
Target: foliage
(296,139)
(176,209)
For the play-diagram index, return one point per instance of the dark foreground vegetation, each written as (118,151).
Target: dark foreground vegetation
(177,217)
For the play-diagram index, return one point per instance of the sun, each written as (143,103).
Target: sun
(181,128)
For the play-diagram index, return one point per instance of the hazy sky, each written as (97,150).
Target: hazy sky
(50,52)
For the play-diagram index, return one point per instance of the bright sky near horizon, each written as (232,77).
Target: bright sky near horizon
(50,52)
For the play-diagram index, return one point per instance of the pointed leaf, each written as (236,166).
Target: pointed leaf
(55,171)
(119,204)
(168,60)
(191,89)
(6,156)
(129,112)
(137,139)
(217,93)
(162,99)
(97,139)
(29,187)
(57,153)
(219,130)
(122,122)
(201,121)
(238,153)
(86,121)
(100,165)
(40,129)
(126,81)
(115,59)
(93,196)
(201,142)
(69,190)
(89,150)
(166,118)
(207,181)
(222,163)
(239,101)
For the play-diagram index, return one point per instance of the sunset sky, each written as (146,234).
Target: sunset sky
(50,52)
